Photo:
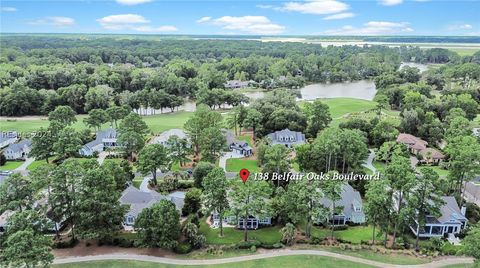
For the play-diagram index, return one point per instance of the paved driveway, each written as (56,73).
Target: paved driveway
(223,159)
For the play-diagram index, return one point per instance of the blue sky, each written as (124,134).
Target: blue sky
(311,17)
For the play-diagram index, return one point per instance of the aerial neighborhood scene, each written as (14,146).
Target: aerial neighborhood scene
(294,133)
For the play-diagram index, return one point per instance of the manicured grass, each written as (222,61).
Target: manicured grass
(284,261)
(354,234)
(441,172)
(341,106)
(399,259)
(11,165)
(162,122)
(35,164)
(236,164)
(269,235)
(464,265)
(157,123)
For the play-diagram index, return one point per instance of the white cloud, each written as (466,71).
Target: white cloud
(54,21)
(265,6)
(132,2)
(248,24)
(317,7)
(339,16)
(390,2)
(373,28)
(8,9)
(133,22)
(460,27)
(204,19)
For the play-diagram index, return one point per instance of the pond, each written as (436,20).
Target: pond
(363,89)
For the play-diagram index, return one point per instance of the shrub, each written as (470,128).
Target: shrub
(248,244)
(183,248)
(185,184)
(253,249)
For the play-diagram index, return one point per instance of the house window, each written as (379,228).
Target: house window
(264,221)
(130,220)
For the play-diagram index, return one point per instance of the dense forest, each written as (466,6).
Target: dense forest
(39,73)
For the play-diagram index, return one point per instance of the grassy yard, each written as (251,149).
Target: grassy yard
(284,261)
(268,235)
(35,164)
(354,234)
(341,106)
(11,165)
(157,123)
(236,164)
(398,259)
(441,172)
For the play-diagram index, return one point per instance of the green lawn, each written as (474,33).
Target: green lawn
(231,235)
(341,106)
(236,164)
(284,261)
(354,234)
(35,164)
(441,172)
(156,123)
(11,165)
(399,259)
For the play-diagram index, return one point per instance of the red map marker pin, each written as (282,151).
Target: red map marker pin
(244,174)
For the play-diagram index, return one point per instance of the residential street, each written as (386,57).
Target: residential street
(285,252)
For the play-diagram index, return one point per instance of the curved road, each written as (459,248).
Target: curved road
(286,252)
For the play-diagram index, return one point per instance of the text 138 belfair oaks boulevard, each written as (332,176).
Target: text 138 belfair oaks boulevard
(291,176)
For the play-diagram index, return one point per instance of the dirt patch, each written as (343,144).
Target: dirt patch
(83,250)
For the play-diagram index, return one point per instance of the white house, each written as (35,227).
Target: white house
(252,222)
(104,139)
(287,137)
(452,220)
(18,151)
(7,138)
(352,206)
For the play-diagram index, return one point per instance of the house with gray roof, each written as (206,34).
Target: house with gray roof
(237,146)
(18,151)
(351,204)
(138,200)
(452,220)
(164,136)
(287,137)
(7,138)
(233,84)
(104,139)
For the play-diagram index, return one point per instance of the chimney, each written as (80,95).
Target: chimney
(463,210)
